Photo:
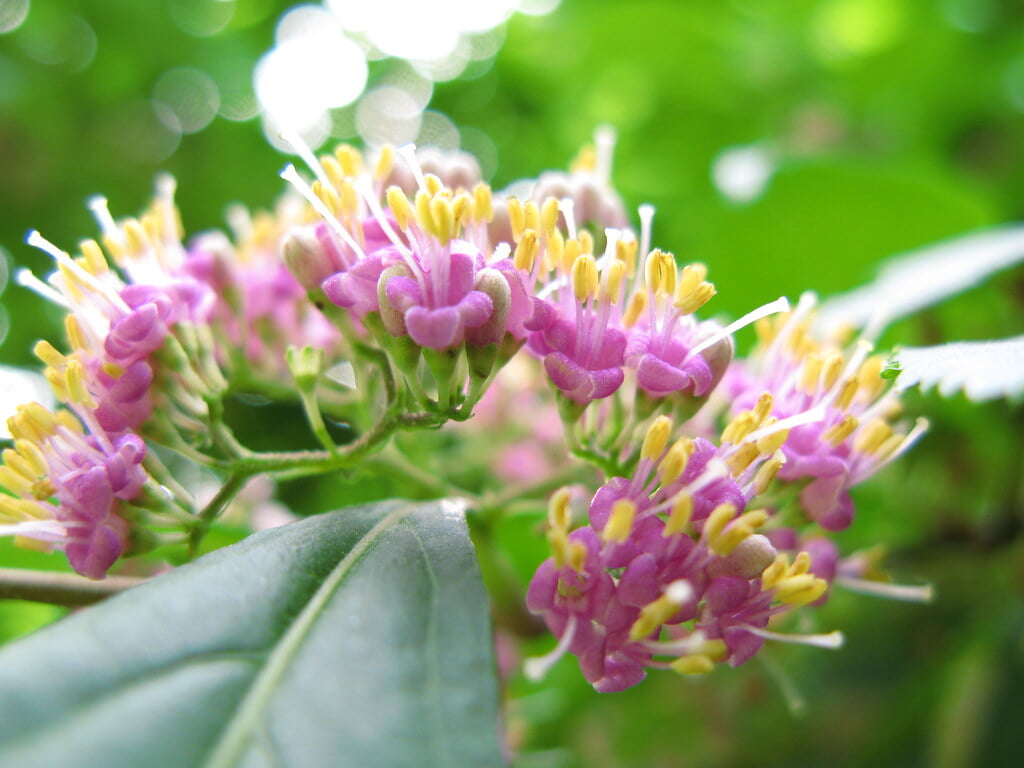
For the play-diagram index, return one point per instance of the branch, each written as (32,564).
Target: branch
(67,589)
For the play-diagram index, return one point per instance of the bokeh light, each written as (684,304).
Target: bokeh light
(12,14)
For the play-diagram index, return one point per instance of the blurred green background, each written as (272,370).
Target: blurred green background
(862,128)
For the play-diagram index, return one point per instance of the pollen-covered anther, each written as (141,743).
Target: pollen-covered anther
(611,282)
(679,515)
(50,356)
(559,514)
(689,303)
(771,443)
(762,407)
(737,531)
(656,613)
(433,183)
(675,461)
(742,458)
(810,373)
(92,256)
(625,251)
(443,217)
(516,217)
(719,518)
(483,206)
(831,367)
(847,391)
(872,437)
(620,522)
(693,664)
(701,659)
(385,162)
(766,472)
(351,159)
(841,430)
(656,438)
(424,215)
(737,429)
(800,590)
(636,306)
(400,207)
(584,277)
(526,251)
(870,377)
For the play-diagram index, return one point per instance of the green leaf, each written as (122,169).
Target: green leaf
(357,638)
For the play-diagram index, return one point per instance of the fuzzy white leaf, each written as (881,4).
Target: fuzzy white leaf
(913,281)
(984,370)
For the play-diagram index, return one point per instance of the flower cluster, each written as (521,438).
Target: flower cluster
(389,293)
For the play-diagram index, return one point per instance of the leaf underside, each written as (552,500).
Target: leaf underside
(357,638)
(984,370)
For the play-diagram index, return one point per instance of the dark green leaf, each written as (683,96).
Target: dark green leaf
(358,638)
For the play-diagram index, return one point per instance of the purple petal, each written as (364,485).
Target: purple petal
(475,309)
(434,328)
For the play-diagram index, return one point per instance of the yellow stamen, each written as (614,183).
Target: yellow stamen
(690,278)
(620,521)
(584,277)
(762,407)
(400,207)
(526,251)
(423,214)
(577,556)
(656,438)
(810,373)
(333,170)
(516,217)
(800,590)
(559,514)
(736,531)
(774,572)
(385,162)
(840,430)
(766,473)
(444,219)
(483,207)
(611,282)
(872,436)
(830,369)
(93,256)
(737,429)
(847,393)
(625,251)
(554,251)
(679,517)
(744,456)
(350,159)
(586,241)
(549,217)
(57,382)
(434,184)
(31,453)
(674,463)
(569,254)
(15,482)
(720,517)
(771,443)
(46,352)
(655,613)
(77,389)
(691,302)
(531,216)
(765,331)
(694,664)
(635,308)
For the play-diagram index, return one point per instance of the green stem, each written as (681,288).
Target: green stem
(59,588)
(216,505)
